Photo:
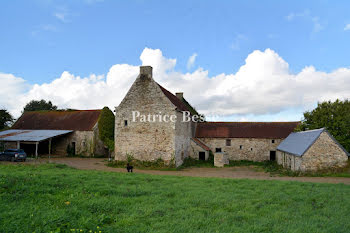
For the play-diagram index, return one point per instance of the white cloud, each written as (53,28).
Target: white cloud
(263,86)
(191,60)
(11,92)
(306,14)
(347,27)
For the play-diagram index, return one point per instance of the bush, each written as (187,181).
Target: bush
(106,128)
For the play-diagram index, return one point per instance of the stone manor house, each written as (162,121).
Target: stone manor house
(174,141)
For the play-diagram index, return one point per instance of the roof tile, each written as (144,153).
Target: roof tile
(81,120)
(272,130)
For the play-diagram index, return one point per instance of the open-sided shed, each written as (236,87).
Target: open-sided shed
(15,137)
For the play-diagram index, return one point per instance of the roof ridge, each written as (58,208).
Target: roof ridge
(251,122)
(64,110)
(173,99)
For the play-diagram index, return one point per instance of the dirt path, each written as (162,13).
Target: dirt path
(227,172)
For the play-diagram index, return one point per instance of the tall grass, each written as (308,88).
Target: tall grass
(55,198)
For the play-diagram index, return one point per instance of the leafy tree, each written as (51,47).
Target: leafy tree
(334,116)
(106,128)
(37,105)
(5,119)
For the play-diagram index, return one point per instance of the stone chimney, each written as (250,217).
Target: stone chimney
(146,72)
(180,95)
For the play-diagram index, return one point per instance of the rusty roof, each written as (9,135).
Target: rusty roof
(80,120)
(178,103)
(201,144)
(30,135)
(269,130)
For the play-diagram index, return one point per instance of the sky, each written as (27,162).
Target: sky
(234,60)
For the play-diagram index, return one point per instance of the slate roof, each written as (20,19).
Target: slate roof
(298,143)
(178,103)
(30,135)
(79,120)
(270,130)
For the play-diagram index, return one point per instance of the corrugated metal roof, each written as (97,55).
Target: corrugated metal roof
(30,135)
(81,120)
(271,130)
(298,143)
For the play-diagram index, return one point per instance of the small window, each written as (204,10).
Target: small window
(228,142)
(125,123)
(251,149)
(240,147)
(217,149)
(273,141)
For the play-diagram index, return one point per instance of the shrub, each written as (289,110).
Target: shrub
(106,127)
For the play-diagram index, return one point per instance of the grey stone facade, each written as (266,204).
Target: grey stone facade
(87,143)
(196,150)
(253,149)
(149,141)
(324,153)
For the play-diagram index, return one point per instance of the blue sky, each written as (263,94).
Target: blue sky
(40,39)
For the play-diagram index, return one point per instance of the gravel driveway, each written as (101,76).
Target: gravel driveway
(227,172)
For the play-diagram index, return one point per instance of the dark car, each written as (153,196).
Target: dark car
(13,155)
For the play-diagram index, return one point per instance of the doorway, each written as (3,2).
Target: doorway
(73,148)
(201,155)
(272,155)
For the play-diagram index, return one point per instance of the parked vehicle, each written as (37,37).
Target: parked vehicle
(13,155)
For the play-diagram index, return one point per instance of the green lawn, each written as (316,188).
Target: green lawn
(55,198)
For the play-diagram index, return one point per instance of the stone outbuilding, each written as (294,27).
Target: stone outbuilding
(253,141)
(76,129)
(311,150)
(199,150)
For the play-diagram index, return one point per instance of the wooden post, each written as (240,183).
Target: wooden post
(36,149)
(18,145)
(50,147)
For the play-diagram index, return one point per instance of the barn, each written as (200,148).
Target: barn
(56,133)
(311,150)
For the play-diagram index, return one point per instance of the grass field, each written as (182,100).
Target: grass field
(56,198)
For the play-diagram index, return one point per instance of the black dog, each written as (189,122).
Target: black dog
(129,167)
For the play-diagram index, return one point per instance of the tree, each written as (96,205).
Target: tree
(106,127)
(37,105)
(334,116)
(5,119)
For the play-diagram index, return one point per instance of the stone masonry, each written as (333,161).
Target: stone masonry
(149,141)
(253,149)
(325,153)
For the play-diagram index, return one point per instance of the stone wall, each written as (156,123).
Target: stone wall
(145,140)
(87,143)
(289,161)
(183,134)
(220,159)
(325,153)
(84,143)
(253,149)
(9,145)
(99,147)
(195,149)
